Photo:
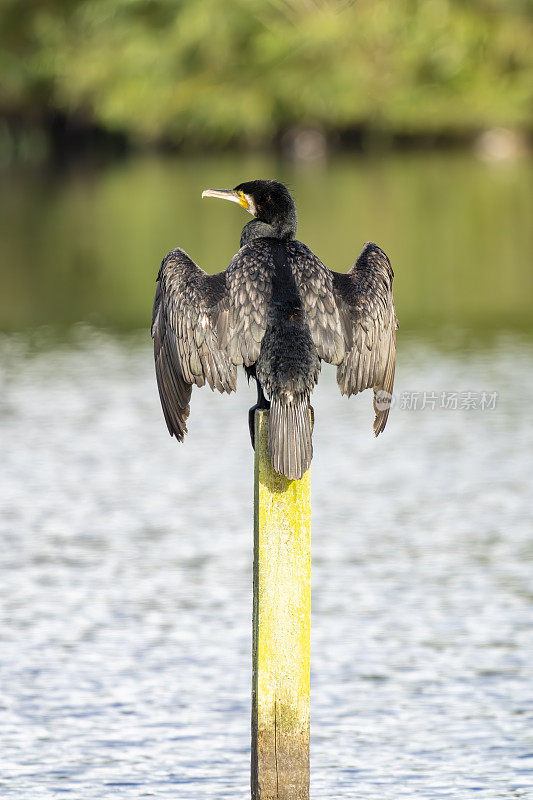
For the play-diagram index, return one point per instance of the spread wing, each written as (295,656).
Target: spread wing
(365,301)
(260,277)
(352,320)
(189,308)
(315,286)
(249,290)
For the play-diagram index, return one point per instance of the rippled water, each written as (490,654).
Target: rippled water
(126,583)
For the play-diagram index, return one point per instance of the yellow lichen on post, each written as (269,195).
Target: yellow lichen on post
(281,629)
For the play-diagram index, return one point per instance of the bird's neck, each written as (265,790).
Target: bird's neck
(277,229)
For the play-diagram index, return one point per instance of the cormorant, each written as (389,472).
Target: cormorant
(278,311)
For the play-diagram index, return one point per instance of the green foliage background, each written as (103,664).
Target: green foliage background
(221,71)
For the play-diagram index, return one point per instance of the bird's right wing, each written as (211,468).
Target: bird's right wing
(189,307)
(365,300)
(352,320)
(315,286)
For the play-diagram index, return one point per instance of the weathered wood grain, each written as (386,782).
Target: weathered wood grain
(281,629)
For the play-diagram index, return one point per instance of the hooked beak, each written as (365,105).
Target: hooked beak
(235,197)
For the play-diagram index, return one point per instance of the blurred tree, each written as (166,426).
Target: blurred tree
(216,71)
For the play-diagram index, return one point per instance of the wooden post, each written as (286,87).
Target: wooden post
(281,629)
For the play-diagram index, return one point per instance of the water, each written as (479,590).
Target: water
(86,245)
(126,583)
(125,577)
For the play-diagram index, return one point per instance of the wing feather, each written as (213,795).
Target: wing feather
(365,297)
(315,286)
(190,311)
(352,320)
(249,285)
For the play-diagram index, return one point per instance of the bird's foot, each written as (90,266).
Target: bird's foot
(263,406)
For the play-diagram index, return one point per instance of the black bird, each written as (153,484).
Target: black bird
(278,311)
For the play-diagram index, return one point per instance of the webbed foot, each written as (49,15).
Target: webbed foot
(263,406)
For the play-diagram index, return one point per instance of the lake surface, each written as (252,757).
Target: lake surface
(87,244)
(126,569)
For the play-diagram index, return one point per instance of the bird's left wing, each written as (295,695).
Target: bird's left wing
(189,307)
(249,288)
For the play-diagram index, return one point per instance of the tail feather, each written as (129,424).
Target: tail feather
(289,436)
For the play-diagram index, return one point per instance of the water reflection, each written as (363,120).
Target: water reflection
(86,245)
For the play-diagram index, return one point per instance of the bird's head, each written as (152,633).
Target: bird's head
(268,201)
